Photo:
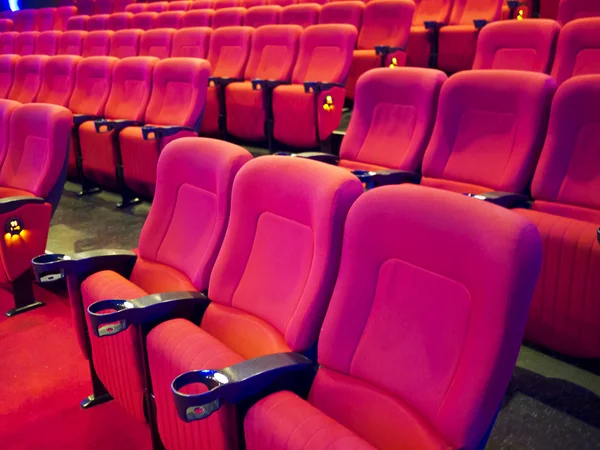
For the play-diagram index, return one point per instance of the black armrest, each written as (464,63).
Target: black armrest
(151,132)
(52,267)
(384,50)
(235,383)
(508,200)
(480,23)
(139,311)
(319,86)
(78,119)
(384,177)
(433,25)
(267,85)
(105,126)
(327,158)
(223,81)
(513,4)
(9,204)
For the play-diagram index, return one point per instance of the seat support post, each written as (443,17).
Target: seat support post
(99,393)
(24,298)
(87,186)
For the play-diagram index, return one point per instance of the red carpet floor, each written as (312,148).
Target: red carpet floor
(43,376)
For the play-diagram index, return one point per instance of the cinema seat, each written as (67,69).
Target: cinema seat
(221,4)
(126,106)
(198,18)
(136,8)
(44,19)
(97,43)
(78,23)
(144,21)
(565,312)
(27,78)
(63,14)
(97,22)
(125,43)
(281,3)
(25,42)
(71,42)
(269,288)
(569,10)
(47,43)
(191,42)
(252,3)
(7,42)
(7,107)
(118,6)
(24,20)
(58,80)
(119,21)
(259,16)
(102,7)
(456,311)
(179,6)
(169,19)
(348,12)
(157,7)
(30,191)
(382,38)
(489,131)
(202,4)
(6,25)
(85,7)
(228,53)
(228,17)
(157,43)
(578,50)
(300,119)
(7,73)
(303,15)
(517,45)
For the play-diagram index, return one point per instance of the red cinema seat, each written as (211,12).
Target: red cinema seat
(7,107)
(7,14)
(157,7)
(136,8)
(47,43)
(259,16)
(569,10)
(71,42)
(63,14)
(144,21)
(97,43)
(549,9)
(348,12)
(421,40)
(318,2)
(129,95)
(202,4)
(7,73)
(324,57)
(252,3)
(457,41)
(37,133)
(44,19)
(157,43)
(269,288)
(125,43)
(578,50)
(221,4)
(565,312)
(24,20)
(504,112)
(228,53)
(118,6)
(179,6)
(281,3)
(517,45)
(173,255)
(102,7)
(6,25)
(97,22)
(92,85)
(28,78)
(25,42)
(58,80)
(198,18)
(169,19)
(386,23)
(456,311)
(78,23)
(7,42)
(272,57)
(191,42)
(228,17)
(119,21)
(303,15)
(85,7)
(176,105)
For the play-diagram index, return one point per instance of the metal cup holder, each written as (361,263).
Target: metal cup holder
(50,267)
(199,406)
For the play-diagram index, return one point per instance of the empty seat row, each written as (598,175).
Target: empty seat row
(43,19)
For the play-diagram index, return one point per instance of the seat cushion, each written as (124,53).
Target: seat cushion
(245,111)
(98,154)
(362,60)
(355,165)
(418,47)
(457,45)
(285,421)
(6,192)
(455,186)
(210,116)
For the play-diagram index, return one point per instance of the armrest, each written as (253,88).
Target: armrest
(235,383)
(52,267)
(78,119)
(385,177)
(105,126)
(223,81)
(508,200)
(139,311)
(513,4)
(480,23)
(433,25)
(9,204)
(319,86)
(151,132)
(327,158)
(267,85)
(384,50)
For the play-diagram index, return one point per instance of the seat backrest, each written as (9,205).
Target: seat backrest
(464,12)
(7,14)
(28,78)
(71,42)
(7,107)
(125,43)
(386,22)
(325,53)
(24,20)
(349,12)
(489,131)
(63,14)
(78,23)
(6,25)
(252,3)
(93,81)
(179,6)
(569,10)
(47,43)
(157,7)
(37,152)
(97,43)
(318,2)
(97,22)
(567,176)
(192,173)
(423,278)
(169,19)
(281,3)
(7,73)
(58,79)
(259,16)
(119,21)
(198,18)
(273,53)
(136,8)
(517,45)
(229,50)
(202,4)
(577,50)
(432,10)
(228,17)
(303,15)
(131,88)
(85,7)
(102,7)
(393,117)
(44,19)
(221,4)
(25,42)
(118,6)
(8,42)
(191,42)
(157,43)
(144,21)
